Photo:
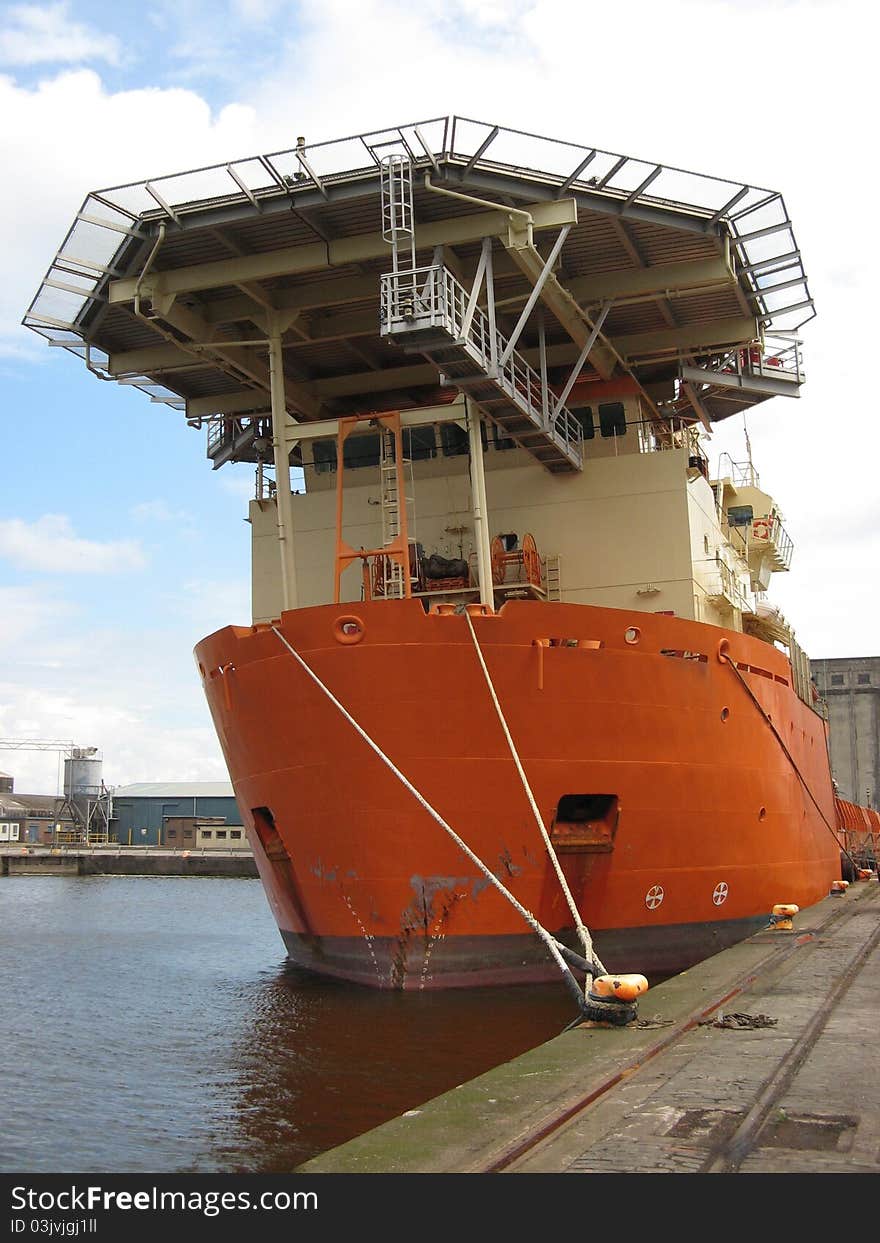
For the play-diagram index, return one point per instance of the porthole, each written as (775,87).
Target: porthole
(725,713)
(632,634)
(762,813)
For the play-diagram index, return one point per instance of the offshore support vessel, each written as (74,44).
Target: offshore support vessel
(491,361)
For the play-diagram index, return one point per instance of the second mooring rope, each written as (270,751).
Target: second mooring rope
(724,657)
(582,930)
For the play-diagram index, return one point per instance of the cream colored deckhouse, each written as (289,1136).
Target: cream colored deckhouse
(558,327)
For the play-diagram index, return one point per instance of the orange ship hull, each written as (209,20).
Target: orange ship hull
(703,822)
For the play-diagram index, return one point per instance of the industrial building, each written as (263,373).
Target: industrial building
(204,833)
(142,813)
(32,818)
(80,814)
(850,686)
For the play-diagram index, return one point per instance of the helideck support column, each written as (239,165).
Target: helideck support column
(281,444)
(479,506)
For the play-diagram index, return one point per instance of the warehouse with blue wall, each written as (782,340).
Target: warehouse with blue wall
(140,811)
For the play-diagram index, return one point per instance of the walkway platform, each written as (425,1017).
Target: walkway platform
(791,1087)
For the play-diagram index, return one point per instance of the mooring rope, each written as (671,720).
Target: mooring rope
(582,930)
(549,942)
(789,756)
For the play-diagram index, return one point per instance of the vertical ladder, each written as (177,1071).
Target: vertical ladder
(398,221)
(552,579)
(391,502)
(719,499)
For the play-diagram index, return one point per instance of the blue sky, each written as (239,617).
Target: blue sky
(119,548)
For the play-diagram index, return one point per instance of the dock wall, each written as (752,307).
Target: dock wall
(137,861)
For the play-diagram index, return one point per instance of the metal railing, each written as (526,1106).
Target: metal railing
(724,584)
(778,357)
(740,474)
(111,219)
(770,531)
(422,299)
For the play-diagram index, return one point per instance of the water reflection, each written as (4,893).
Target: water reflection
(323,1062)
(153,1025)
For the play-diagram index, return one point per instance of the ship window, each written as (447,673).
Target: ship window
(361,451)
(454,440)
(324,455)
(500,440)
(585,418)
(612,418)
(207,833)
(864,679)
(419,443)
(739,515)
(837,679)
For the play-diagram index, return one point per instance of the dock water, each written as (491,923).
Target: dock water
(760,1059)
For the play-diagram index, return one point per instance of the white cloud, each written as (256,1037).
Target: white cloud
(160,511)
(26,613)
(210,604)
(136,745)
(237,482)
(173,129)
(46,34)
(256,12)
(65,676)
(50,544)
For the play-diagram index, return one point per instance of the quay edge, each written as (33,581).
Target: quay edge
(605,1100)
(135,861)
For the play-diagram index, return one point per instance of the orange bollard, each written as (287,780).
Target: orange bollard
(611,1001)
(621,987)
(781,916)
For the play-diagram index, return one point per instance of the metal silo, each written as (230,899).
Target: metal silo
(83,780)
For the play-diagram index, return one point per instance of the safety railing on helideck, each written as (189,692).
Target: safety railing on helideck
(429,300)
(777,358)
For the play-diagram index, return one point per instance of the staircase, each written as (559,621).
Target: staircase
(427,311)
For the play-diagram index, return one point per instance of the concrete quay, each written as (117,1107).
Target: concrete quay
(123,861)
(790,1088)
